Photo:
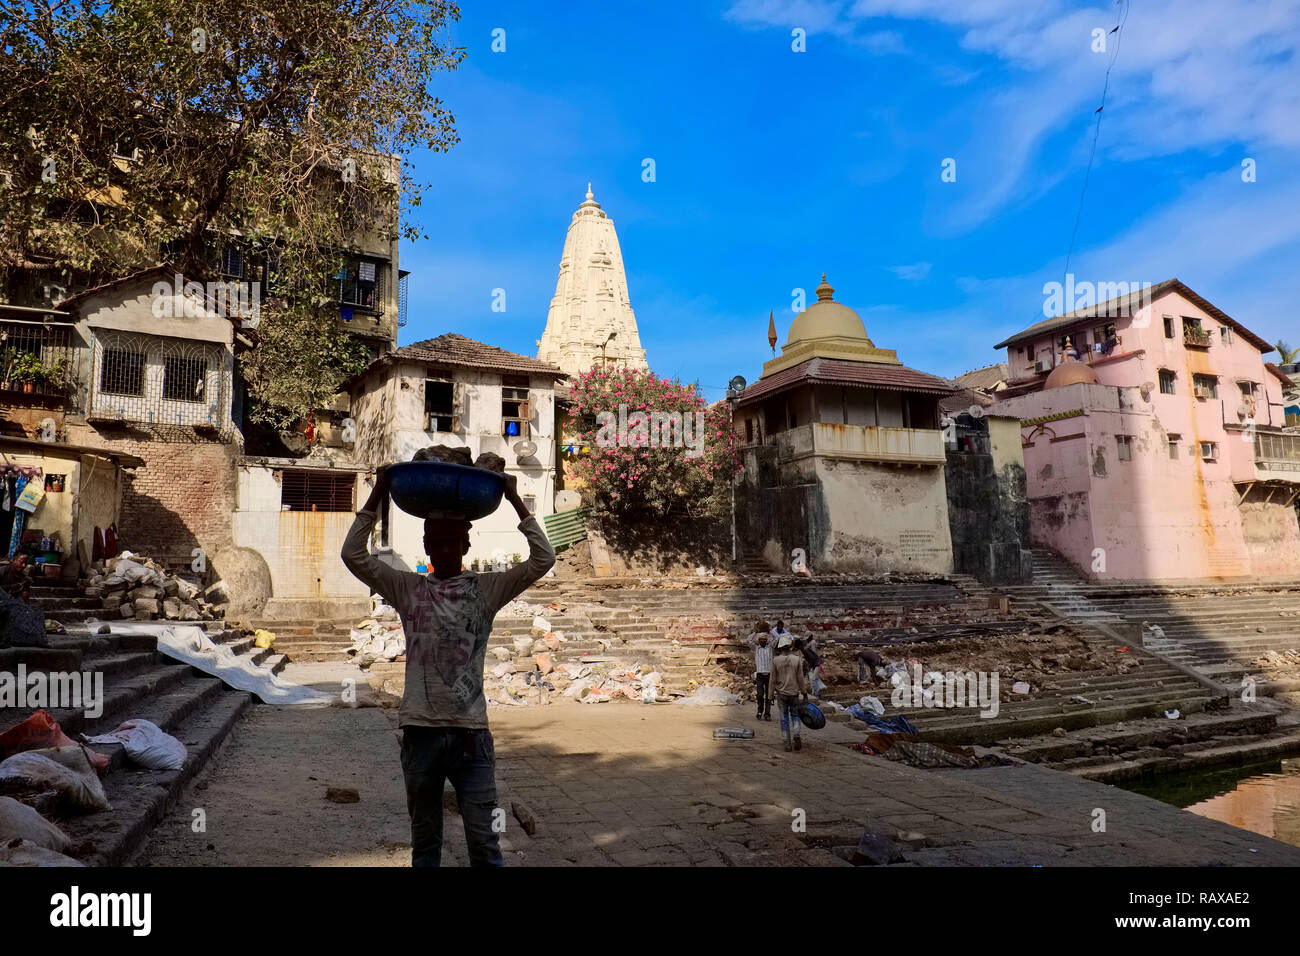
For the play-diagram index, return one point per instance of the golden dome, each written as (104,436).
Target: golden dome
(1071,372)
(826,319)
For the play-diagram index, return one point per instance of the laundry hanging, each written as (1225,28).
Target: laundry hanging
(20,517)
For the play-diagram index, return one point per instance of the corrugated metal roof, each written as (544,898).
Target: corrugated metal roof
(898,378)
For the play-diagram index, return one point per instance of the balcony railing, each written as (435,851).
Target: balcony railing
(1278,453)
(36,361)
(864,442)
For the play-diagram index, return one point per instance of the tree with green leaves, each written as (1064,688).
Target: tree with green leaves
(140,131)
(1286,355)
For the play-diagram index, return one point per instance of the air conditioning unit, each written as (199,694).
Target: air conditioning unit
(1043,365)
(1201,391)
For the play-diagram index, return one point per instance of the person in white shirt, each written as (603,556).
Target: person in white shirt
(762,648)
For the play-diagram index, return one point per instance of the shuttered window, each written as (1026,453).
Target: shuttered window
(311,490)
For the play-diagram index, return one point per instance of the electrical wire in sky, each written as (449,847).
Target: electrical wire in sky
(1118,33)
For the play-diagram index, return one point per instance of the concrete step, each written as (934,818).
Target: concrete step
(1281,743)
(141,799)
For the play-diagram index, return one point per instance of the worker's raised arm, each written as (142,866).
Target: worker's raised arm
(499,588)
(385,580)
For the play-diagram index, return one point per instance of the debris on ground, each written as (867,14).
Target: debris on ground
(135,587)
(342,795)
(379,637)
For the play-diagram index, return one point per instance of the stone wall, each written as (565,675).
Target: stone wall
(988,508)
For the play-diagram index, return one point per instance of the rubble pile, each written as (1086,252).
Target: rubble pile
(1279,661)
(527,672)
(379,637)
(136,587)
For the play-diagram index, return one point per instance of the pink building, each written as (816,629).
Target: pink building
(1158,454)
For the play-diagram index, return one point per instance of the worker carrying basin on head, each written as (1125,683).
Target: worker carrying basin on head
(447,616)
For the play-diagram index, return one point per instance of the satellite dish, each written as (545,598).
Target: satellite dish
(524,449)
(735,387)
(1146,389)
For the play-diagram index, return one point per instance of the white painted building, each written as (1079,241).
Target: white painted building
(457,392)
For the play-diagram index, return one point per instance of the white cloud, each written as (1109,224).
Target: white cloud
(913,273)
(1190,74)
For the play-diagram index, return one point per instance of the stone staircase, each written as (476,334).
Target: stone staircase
(138,682)
(680,631)
(1057,585)
(1220,636)
(1142,748)
(309,639)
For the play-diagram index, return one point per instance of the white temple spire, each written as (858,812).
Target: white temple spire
(591,299)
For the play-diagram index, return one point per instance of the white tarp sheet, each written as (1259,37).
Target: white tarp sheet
(191,645)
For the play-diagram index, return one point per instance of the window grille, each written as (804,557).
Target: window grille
(121,372)
(361,284)
(401,298)
(160,381)
(311,490)
(1167,379)
(184,378)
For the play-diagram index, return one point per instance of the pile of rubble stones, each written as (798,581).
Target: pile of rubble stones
(134,587)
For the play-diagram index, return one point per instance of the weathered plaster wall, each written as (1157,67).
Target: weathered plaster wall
(882,517)
(1271,534)
(301,548)
(390,427)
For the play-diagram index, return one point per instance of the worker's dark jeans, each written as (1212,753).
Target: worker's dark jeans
(430,757)
(761,682)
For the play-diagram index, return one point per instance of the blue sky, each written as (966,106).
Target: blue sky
(774,165)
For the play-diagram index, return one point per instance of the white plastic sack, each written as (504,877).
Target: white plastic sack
(872,703)
(20,822)
(541,624)
(146,745)
(35,770)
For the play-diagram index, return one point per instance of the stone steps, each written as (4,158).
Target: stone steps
(1204,726)
(201,717)
(1280,743)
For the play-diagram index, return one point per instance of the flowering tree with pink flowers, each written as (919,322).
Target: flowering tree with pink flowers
(631,472)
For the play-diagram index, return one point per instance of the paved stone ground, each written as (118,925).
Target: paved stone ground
(627,784)
(643,785)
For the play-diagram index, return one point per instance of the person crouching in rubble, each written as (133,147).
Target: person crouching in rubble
(790,684)
(869,665)
(447,617)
